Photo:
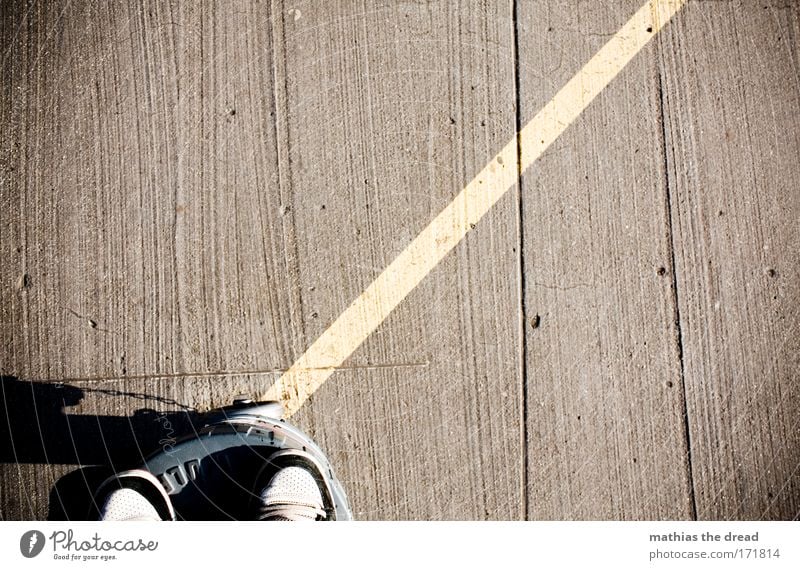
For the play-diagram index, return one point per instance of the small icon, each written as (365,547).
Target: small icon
(31,543)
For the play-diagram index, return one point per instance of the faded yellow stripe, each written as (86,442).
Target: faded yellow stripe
(372,307)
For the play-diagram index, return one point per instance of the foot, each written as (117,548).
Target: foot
(292,493)
(134,495)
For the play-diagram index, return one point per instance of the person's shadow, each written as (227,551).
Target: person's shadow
(35,428)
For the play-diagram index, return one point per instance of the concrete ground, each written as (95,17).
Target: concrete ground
(191,193)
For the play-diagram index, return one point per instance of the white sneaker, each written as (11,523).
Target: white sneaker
(134,495)
(292,494)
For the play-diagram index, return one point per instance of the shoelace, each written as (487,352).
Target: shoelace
(290,512)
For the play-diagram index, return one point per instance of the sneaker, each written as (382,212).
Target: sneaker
(292,493)
(134,495)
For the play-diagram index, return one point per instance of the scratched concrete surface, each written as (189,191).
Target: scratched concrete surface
(190,193)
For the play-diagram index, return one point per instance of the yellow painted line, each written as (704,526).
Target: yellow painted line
(372,307)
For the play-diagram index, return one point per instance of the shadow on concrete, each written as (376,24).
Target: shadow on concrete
(35,428)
